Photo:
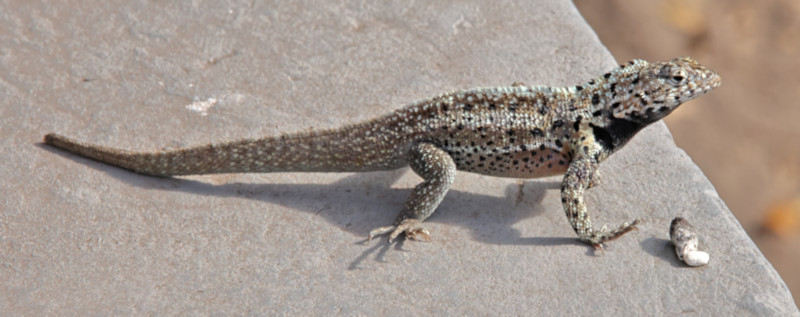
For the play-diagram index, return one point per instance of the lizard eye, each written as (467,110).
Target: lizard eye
(678,76)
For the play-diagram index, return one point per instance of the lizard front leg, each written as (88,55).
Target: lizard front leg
(577,179)
(438,170)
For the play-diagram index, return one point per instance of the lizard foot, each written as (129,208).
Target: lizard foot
(599,237)
(413,229)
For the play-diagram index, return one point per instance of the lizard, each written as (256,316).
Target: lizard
(516,131)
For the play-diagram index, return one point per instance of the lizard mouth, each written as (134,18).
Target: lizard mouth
(710,81)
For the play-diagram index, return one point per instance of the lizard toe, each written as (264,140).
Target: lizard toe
(413,229)
(597,238)
(380,231)
(419,234)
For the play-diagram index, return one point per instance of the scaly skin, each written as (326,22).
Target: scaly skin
(516,131)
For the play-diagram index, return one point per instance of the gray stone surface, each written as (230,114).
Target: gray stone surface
(82,238)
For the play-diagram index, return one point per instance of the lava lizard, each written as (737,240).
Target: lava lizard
(516,131)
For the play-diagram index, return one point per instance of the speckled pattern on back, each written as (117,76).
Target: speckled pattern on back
(516,131)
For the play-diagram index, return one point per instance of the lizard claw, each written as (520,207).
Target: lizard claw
(413,229)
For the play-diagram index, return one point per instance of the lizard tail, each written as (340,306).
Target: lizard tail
(315,151)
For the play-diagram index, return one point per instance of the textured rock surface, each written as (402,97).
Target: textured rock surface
(79,237)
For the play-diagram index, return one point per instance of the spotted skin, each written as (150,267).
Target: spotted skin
(517,131)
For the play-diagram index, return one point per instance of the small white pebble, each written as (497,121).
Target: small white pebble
(696,258)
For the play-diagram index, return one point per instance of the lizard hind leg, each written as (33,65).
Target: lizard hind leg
(438,170)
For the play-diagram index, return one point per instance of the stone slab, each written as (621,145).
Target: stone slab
(82,238)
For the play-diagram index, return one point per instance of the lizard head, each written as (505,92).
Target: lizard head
(648,92)
(639,93)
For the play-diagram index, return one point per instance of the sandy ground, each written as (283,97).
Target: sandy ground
(744,135)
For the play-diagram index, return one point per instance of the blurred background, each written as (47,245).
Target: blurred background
(745,135)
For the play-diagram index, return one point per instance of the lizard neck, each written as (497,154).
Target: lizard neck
(603,96)
(614,133)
